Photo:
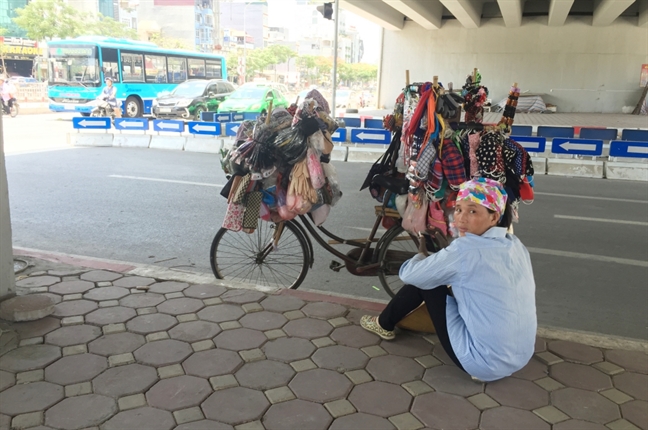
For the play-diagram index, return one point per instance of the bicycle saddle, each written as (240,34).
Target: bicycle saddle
(398,186)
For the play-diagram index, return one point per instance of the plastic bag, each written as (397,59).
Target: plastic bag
(315,169)
(282,206)
(320,214)
(332,182)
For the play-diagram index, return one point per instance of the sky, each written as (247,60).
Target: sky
(370,32)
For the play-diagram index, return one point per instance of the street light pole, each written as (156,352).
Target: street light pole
(335,54)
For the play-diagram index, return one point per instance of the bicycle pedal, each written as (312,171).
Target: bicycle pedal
(336,266)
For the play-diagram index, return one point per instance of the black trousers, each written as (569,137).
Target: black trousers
(409,298)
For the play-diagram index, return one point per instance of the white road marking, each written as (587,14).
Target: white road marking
(612,199)
(613,221)
(34,151)
(590,257)
(140,178)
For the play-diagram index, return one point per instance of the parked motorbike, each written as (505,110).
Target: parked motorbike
(13,111)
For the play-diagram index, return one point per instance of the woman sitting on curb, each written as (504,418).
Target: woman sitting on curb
(479,291)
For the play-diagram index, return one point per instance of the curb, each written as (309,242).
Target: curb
(548,332)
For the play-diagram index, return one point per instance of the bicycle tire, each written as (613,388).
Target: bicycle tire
(234,256)
(392,254)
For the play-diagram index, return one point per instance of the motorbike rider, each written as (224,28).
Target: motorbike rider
(7,94)
(109,96)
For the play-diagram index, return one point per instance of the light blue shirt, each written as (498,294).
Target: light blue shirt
(492,318)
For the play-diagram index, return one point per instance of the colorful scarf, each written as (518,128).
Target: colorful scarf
(485,192)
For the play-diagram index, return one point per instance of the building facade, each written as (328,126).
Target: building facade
(7,13)
(249,17)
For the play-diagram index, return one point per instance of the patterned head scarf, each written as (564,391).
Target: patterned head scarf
(485,192)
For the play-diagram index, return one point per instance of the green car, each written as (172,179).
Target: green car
(189,99)
(251,98)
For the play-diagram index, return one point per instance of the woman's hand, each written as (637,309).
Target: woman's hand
(422,247)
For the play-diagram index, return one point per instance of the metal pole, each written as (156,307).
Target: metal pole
(335,54)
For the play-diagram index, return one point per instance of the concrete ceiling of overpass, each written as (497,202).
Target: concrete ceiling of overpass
(430,14)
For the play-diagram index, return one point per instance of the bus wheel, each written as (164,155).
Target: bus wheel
(133,107)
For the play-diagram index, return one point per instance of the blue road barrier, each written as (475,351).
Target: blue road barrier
(207,116)
(131,123)
(340,135)
(573,146)
(373,123)
(522,130)
(351,122)
(168,125)
(530,143)
(635,135)
(550,131)
(91,123)
(202,127)
(237,117)
(364,135)
(599,133)
(231,128)
(223,117)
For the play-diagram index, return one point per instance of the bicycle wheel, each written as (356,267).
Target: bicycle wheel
(397,247)
(251,258)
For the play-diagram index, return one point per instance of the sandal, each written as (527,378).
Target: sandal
(370,323)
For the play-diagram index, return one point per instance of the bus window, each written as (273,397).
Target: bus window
(155,68)
(214,69)
(177,70)
(110,64)
(132,70)
(196,68)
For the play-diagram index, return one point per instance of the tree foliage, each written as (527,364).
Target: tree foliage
(3,31)
(47,19)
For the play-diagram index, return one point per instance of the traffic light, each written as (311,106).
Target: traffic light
(326,10)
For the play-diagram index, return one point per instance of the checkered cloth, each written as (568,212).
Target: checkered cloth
(452,162)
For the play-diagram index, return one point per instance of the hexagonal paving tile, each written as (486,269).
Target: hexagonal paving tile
(177,393)
(32,397)
(221,313)
(323,310)
(263,320)
(81,412)
(320,385)
(518,393)
(240,339)
(442,355)
(585,405)
(36,328)
(264,375)
(75,368)
(235,405)
(204,291)
(114,344)
(288,349)
(634,384)
(380,398)
(441,410)
(407,345)
(111,315)
(145,324)
(204,425)
(141,418)
(167,287)
(297,414)
(29,358)
(572,351)
(242,296)
(580,376)
(71,287)
(142,300)
(361,421)
(394,369)
(340,358)
(125,380)
(180,306)
(578,425)
(354,336)
(532,371)
(8,342)
(636,412)
(6,379)
(193,331)
(106,293)
(502,417)
(37,281)
(282,303)
(354,315)
(73,335)
(100,276)
(213,362)
(132,281)
(635,361)
(451,379)
(74,307)
(163,352)
(308,328)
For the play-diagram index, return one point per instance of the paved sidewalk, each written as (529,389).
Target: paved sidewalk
(181,356)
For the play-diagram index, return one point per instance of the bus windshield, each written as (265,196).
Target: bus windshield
(74,66)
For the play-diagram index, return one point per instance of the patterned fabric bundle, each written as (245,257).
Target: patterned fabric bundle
(475,96)
(509,110)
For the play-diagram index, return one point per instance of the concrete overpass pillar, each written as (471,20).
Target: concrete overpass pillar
(606,11)
(468,12)
(426,13)
(7,277)
(376,11)
(511,11)
(558,11)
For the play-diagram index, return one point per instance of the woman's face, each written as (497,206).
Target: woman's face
(109,83)
(473,218)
